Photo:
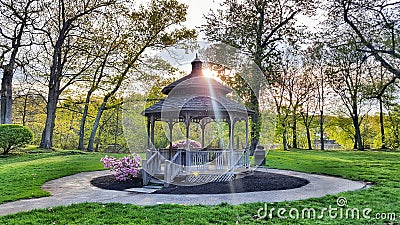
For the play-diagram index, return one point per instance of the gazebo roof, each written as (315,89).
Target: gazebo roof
(199,96)
(203,106)
(197,80)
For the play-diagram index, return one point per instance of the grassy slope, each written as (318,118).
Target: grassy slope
(22,175)
(382,168)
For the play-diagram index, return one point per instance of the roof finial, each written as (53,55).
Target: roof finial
(196,65)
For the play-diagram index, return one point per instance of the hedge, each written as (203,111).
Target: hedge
(13,136)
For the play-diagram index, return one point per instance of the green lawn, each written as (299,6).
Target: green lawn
(381,168)
(23,174)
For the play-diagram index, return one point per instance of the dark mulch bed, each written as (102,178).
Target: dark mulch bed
(110,183)
(259,181)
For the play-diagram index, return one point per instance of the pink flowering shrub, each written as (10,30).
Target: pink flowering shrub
(127,167)
(182,144)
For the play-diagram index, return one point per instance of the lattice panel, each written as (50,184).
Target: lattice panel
(206,178)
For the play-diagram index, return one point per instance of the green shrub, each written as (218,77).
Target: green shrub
(12,136)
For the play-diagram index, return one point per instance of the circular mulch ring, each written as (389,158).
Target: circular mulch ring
(258,181)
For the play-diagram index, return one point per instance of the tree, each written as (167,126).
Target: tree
(393,137)
(106,40)
(257,28)
(16,18)
(62,26)
(291,89)
(314,64)
(381,88)
(299,93)
(156,26)
(25,99)
(345,76)
(310,104)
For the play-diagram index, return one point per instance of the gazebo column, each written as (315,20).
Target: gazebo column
(152,123)
(188,155)
(231,142)
(148,133)
(247,152)
(171,127)
(202,127)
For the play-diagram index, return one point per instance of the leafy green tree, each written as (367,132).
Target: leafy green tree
(156,26)
(393,137)
(62,27)
(381,88)
(314,64)
(346,76)
(341,130)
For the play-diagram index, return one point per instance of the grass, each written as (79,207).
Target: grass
(381,168)
(23,173)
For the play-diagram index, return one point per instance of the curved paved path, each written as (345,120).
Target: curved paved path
(77,189)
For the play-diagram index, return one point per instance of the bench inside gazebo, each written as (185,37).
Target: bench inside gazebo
(199,99)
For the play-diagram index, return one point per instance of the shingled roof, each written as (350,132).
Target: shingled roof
(198,95)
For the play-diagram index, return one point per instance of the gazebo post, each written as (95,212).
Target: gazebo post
(247,155)
(188,156)
(152,122)
(202,127)
(231,140)
(171,127)
(148,133)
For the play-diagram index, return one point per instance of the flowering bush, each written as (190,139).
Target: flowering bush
(182,144)
(127,167)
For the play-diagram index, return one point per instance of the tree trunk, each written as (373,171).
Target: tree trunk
(81,145)
(255,124)
(56,70)
(382,123)
(47,134)
(358,141)
(294,130)
(321,130)
(6,95)
(355,142)
(24,112)
(308,137)
(96,126)
(284,140)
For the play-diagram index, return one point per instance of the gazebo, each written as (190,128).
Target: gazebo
(199,99)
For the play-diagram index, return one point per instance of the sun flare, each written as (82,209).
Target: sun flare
(211,74)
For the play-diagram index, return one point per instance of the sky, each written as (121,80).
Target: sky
(196,10)
(194,19)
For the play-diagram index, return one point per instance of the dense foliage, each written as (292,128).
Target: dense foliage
(12,136)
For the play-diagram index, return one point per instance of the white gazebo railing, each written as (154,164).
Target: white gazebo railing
(189,162)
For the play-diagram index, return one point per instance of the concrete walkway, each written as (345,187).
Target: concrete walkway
(77,189)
